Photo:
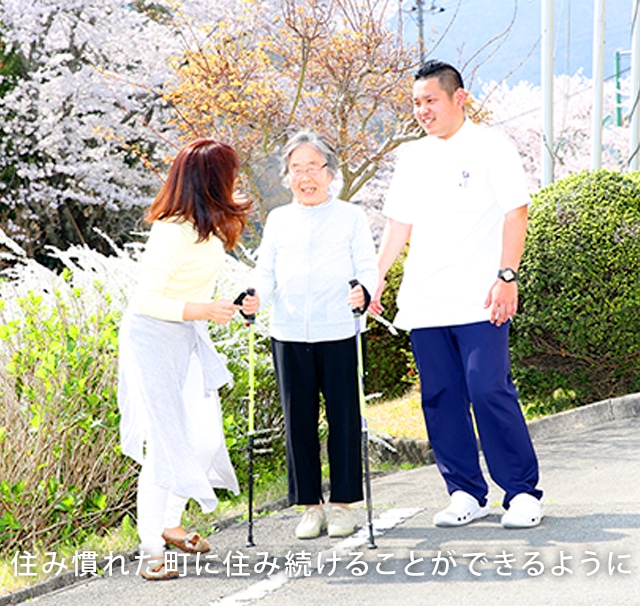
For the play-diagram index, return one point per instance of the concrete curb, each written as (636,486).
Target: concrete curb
(418,451)
(402,450)
(589,415)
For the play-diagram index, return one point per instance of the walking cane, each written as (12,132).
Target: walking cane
(250,323)
(357,313)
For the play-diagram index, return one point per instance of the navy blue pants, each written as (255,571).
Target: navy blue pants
(304,371)
(464,367)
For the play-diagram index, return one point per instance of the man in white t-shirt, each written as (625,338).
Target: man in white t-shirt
(459,196)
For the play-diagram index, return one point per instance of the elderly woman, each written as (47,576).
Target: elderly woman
(311,249)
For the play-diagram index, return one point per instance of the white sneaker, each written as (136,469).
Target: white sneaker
(463,509)
(341,523)
(525,511)
(312,524)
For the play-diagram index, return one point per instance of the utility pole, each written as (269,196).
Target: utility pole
(546,80)
(616,72)
(634,121)
(599,13)
(419,8)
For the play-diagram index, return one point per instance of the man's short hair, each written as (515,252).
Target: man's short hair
(448,76)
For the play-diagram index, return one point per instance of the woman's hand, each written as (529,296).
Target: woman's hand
(375,307)
(219,311)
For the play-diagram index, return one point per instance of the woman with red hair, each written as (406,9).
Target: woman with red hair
(169,370)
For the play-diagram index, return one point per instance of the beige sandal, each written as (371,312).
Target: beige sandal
(191,543)
(156,570)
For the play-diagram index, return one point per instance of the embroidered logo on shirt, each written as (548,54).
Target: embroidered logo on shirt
(465,179)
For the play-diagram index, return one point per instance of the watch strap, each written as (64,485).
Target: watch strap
(508,275)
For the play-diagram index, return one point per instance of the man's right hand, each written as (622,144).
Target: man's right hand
(375,307)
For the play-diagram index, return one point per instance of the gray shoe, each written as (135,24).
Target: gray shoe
(312,524)
(341,523)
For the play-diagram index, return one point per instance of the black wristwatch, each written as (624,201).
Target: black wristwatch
(508,275)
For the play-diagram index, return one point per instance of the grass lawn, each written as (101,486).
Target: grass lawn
(399,418)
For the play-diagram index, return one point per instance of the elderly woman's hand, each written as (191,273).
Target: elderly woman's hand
(356,297)
(250,303)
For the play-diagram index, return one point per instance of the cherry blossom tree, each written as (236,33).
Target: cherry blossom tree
(84,126)
(517,111)
(97,95)
(106,90)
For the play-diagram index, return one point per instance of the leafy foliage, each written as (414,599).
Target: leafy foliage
(390,369)
(62,474)
(10,68)
(61,470)
(576,338)
(269,444)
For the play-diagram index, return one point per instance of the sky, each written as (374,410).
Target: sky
(472,23)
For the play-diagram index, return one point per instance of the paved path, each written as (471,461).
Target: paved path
(587,550)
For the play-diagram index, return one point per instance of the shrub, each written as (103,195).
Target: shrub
(62,474)
(390,369)
(577,337)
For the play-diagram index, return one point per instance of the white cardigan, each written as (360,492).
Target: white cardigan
(306,259)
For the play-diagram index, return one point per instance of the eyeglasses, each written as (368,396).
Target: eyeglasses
(312,171)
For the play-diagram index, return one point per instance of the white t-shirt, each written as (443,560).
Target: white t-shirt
(455,193)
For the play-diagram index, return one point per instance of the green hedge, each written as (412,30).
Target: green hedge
(390,369)
(576,339)
(269,442)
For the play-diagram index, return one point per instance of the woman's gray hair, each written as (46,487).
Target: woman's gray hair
(301,138)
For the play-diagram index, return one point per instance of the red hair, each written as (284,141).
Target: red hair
(199,189)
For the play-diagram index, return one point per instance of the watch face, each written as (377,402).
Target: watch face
(508,275)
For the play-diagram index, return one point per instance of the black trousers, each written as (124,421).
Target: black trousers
(304,371)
